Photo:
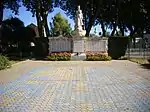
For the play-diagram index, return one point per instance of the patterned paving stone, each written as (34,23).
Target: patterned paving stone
(77,87)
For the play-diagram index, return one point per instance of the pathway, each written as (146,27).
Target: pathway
(41,86)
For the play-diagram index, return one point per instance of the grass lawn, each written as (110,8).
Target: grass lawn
(14,59)
(139,60)
(13,62)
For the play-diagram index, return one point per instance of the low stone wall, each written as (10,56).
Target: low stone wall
(60,44)
(80,45)
(96,45)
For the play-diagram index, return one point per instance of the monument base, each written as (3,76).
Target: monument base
(79,33)
(78,57)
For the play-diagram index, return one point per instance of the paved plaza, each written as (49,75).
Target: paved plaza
(41,86)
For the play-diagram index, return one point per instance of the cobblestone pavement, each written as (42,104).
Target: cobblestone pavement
(116,86)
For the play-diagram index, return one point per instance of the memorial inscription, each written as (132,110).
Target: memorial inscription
(78,45)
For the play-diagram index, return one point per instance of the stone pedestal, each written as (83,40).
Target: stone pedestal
(78,45)
(79,33)
(78,49)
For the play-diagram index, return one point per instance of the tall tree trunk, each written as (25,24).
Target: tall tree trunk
(132,32)
(114,29)
(46,26)
(85,20)
(39,23)
(103,29)
(1,17)
(84,16)
(90,24)
(44,14)
(121,26)
(38,18)
(88,30)
(1,12)
(122,31)
(116,20)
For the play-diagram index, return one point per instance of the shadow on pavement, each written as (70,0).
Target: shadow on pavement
(146,66)
(15,58)
(39,59)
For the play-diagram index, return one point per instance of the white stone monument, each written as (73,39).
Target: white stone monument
(79,32)
(78,37)
(78,44)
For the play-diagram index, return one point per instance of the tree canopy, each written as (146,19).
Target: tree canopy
(13,31)
(41,8)
(9,4)
(9,26)
(132,15)
(60,26)
(117,15)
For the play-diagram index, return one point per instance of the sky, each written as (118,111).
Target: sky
(27,18)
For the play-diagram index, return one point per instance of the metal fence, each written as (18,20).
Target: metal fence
(138,52)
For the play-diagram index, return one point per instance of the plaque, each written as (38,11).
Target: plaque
(78,45)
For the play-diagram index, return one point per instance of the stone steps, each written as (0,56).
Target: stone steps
(80,57)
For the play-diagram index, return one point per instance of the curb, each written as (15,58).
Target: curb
(20,62)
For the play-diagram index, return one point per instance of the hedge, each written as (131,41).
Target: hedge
(59,56)
(117,46)
(97,57)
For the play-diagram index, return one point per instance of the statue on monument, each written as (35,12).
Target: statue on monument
(78,19)
(79,23)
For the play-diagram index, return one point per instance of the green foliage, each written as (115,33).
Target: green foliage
(8,4)
(59,57)
(41,8)
(132,15)
(12,5)
(60,26)
(4,62)
(13,23)
(9,26)
(139,60)
(97,57)
(39,5)
(15,33)
(90,8)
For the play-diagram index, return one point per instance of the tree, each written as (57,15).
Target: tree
(9,26)
(41,8)
(15,33)
(117,15)
(9,4)
(60,26)
(34,7)
(90,9)
(13,23)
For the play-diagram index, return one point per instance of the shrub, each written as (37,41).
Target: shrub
(59,56)
(139,60)
(117,46)
(4,62)
(97,56)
